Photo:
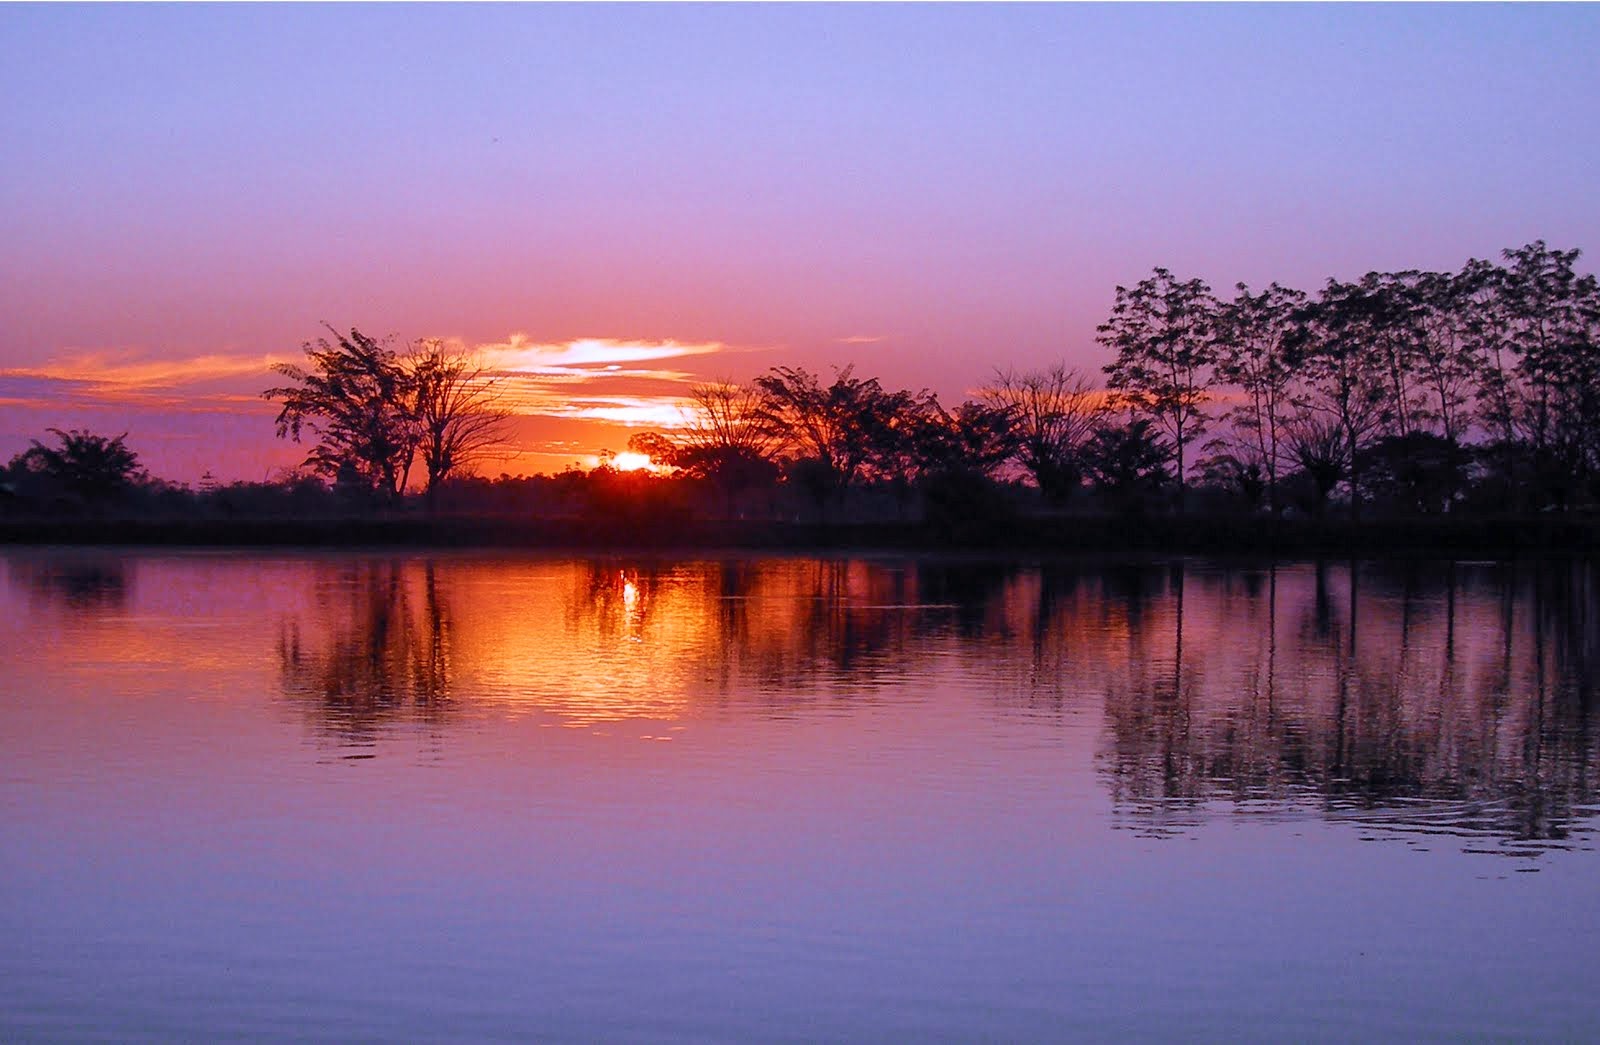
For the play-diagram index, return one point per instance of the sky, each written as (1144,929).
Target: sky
(612,203)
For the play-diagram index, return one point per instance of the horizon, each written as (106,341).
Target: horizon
(619,203)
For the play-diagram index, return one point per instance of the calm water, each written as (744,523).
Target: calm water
(414,797)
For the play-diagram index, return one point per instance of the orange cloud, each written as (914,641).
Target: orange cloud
(659,412)
(620,385)
(536,399)
(126,369)
(586,356)
(198,384)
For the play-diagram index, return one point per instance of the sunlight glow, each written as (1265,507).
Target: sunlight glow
(593,355)
(628,461)
(633,411)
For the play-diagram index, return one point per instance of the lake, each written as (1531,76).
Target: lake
(433,797)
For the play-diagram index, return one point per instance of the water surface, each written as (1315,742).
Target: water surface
(354,796)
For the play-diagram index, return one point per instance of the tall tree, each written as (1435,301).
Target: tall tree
(1447,360)
(1545,315)
(1163,331)
(1385,309)
(1446,311)
(1344,379)
(457,409)
(1053,413)
(1256,335)
(355,395)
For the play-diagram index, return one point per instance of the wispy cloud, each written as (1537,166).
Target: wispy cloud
(627,382)
(600,380)
(635,411)
(863,339)
(586,357)
(196,384)
(130,369)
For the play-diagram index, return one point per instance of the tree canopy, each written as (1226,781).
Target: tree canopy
(95,468)
(1164,333)
(354,396)
(374,411)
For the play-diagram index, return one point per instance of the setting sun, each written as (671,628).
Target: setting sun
(628,461)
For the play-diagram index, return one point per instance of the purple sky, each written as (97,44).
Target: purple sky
(926,191)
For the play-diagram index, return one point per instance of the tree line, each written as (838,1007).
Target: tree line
(1425,391)
(1405,392)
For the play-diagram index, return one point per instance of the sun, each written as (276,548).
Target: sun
(628,461)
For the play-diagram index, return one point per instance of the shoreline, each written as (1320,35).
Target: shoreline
(1491,538)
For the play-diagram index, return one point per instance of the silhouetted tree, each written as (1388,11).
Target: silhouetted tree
(1317,446)
(915,438)
(978,438)
(725,441)
(1245,477)
(1545,319)
(1164,334)
(456,408)
(1448,365)
(356,396)
(1052,412)
(1385,310)
(1343,375)
(956,457)
(837,434)
(1420,472)
(1128,462)
(81,464)
(1256,335)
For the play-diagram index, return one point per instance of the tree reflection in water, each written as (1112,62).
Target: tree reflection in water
(378,650)
(1442,698)
(1414,702)
(90,582)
